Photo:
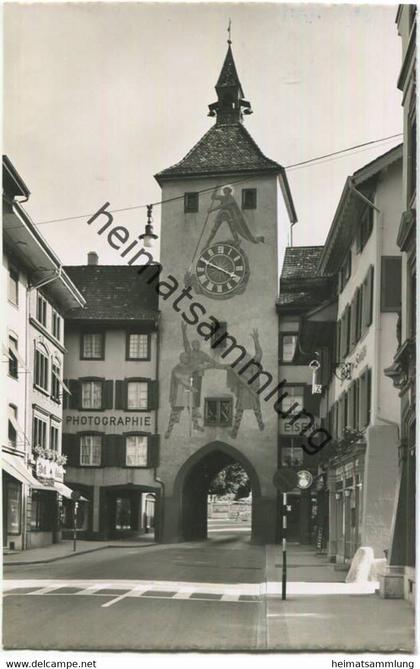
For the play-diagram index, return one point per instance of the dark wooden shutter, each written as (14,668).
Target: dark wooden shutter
(120,395)
(391,283)
(113,450)
(153,450)
(311,402)
(353,321)
(75,397)
(71,448)
(368,298)
(338,342)
(153,395)
(108,402)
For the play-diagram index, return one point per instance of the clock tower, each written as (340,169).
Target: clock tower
(226,213)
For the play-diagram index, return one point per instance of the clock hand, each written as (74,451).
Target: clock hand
(221,269)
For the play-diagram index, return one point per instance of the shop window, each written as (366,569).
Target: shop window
(293,403)
(287,347)
(42,510)
(41,309)
(137,395)
(291,456)
(138,346)
(92,346)
(13,359)
(56,325)
(218,411)
(136,450)
(39,432)
(13,503)
(55,382)
(90,450)
(41,367)
(191,203)
(13,286)
(91,394)
(122,513)
(249,198)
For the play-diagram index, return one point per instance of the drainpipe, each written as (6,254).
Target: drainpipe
(156,478)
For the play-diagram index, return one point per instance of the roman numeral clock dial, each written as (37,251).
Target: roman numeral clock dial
(222,271)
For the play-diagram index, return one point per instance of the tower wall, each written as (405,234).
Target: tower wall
(254,308)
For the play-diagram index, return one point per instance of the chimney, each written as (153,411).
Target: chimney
(92,258)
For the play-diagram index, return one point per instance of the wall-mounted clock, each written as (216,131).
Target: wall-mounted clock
(222,270)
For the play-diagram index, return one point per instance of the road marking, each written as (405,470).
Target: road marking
(93,588)
(49,588)
(114,601)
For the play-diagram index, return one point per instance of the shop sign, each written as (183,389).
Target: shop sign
(48,469)
(299,427)
(112,424)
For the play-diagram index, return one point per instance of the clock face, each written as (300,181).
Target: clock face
(222,270)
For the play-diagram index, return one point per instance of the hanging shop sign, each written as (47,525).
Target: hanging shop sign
(48,469)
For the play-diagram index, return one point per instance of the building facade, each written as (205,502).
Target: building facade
(110,420)
(37,293)
(402,370)
(302,290)
(227,209)
(359,406)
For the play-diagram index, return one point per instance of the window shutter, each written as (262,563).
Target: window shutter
(108,390)
(120,395)
(311,402)
(367,298)
(153,450)
(325,367)
(338,342)
(71,448)
(153,395)
(353,321)
(113,450)
(74,400)
(66,396)
(391,283)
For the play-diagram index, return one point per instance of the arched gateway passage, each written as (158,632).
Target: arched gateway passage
(193,481)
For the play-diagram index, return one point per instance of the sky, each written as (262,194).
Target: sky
(99,97)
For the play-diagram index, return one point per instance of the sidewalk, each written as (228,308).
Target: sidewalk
(64,550)
(322,612)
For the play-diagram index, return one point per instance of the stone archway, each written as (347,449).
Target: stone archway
(192,484)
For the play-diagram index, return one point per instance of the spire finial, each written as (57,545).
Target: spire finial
(229,30)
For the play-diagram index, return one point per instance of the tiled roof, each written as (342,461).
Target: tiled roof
(301,262)
(223,149)
(229,76)
(113,292)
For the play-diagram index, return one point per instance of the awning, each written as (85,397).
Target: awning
(66,491)
(15,466)
(64,387)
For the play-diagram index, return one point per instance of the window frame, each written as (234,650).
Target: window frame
(56,325)
(146,381)
(54,430)
(127,345)
(365,228)
(13,366)
(36,431)
(218,399)
(246,192)
(92,379)
(92,332)
(13,277)
(41,352)
(281,348)
(55,381)
(41,309)
(191,197)
(130,435)
(83,435)
(345,271)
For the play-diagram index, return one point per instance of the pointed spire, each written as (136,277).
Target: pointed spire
(230,104)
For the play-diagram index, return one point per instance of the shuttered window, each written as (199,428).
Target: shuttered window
(338,342)
(365,398)
(90,450)
(137,395)
(345,332)
(136,452)
(92,394)
(359,313)
(391,283)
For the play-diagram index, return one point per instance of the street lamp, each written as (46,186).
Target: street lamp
(148,236)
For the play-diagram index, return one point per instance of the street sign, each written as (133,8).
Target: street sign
(285,479)
(305,479)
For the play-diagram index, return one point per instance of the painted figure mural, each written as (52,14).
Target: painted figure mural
(187,378)
(228,212)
